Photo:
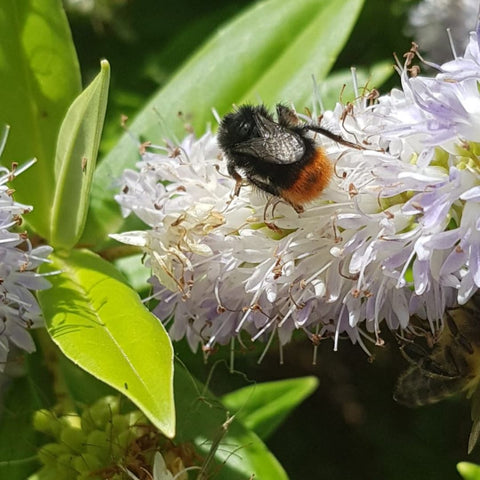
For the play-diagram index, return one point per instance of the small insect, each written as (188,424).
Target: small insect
(278,157)
(450,367)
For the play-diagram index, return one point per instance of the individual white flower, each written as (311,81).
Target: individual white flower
(395,234)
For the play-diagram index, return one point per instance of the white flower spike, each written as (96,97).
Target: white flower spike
(396,233)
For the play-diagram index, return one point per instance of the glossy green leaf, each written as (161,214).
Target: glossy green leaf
(100,324)
(270,53)
(229,449)
(469,471)
(264,406)
(75,160)
(40,78)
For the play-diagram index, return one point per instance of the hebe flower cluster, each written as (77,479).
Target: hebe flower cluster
(396,233)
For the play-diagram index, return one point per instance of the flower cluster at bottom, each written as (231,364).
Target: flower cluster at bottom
(395,234)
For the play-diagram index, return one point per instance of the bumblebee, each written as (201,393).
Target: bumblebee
(278,157)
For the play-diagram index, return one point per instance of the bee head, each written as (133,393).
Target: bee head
(241,125)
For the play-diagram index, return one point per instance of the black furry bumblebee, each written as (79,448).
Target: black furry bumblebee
(278,157)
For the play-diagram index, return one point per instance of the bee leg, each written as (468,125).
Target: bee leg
(297,208)
(238,186)
(238,180)
(334,136)
(271,225)
(286,116)
(266,187)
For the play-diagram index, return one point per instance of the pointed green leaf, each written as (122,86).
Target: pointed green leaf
(40,77)
(264,406)
(75,159)
(258,55)
(100,324)
(202,419)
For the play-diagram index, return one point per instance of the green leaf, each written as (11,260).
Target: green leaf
(202,419)
(100,324)
(263,407)
(270,52)
(469,471)
(75,160)
(40,77)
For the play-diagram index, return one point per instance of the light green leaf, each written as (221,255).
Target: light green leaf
(239,453)
(264,406)
(258,55)
(40,78)
(75,160)
(469,471)
(100,324)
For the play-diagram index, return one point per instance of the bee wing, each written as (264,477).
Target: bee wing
(283,148)
(275,143)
